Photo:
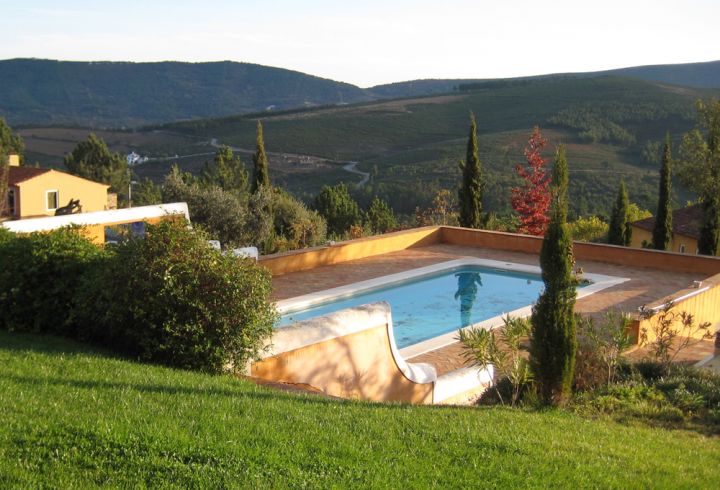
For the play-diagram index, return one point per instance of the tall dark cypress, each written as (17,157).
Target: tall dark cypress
(471,188)
(620,232)
(662,232)
(560,181)
(709,241)
(261,176)
(553,342)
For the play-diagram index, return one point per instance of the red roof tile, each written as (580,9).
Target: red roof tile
(686,221)
(21,174)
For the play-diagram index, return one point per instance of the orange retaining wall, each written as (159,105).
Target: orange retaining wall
(283,263)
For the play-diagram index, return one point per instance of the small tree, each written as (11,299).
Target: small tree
(699,170)
(620,232)
(532,200)
(500,348)
(441,211)
(553,343)
(470,194)
(9,144)
(662,232)
(227,171)
(338,208)
(146,192)
(93,160)
(670,333)
(261,174)
(380,217)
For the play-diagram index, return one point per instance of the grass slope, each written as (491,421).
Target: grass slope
(75,417)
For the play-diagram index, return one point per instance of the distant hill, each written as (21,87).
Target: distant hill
(699,75)
(131,94)
(117,94)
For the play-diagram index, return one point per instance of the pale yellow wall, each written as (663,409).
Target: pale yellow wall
(705,307)
(676,242)
(31,200)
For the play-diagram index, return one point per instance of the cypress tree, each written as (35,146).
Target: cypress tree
(560,182)
(710,229)
(553,343)
(471,188)
(662,232)
(620,231)
(261,176)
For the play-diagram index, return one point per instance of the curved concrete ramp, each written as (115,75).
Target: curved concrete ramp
(352,354)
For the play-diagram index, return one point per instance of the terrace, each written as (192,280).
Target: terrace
(654,277)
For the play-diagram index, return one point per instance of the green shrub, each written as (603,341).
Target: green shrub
(40,276)
(171,298)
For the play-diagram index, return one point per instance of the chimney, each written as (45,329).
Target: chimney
(14,160)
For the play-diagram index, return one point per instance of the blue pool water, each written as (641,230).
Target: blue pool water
(436,304)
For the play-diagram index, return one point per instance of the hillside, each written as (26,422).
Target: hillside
(130,94)
(612,127)
(75,417)
(122,94)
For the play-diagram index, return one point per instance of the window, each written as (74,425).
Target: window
(682,248)
(51,200)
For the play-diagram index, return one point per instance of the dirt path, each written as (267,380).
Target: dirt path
(347,166)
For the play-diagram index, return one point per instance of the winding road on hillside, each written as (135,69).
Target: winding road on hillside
(348,166)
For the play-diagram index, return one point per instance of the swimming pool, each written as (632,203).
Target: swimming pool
(428,306)
(437,300)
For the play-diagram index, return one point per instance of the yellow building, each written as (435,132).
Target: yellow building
(686,230)
(34,192)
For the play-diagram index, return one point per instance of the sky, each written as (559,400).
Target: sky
(370,42)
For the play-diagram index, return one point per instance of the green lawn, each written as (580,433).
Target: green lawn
(76,417)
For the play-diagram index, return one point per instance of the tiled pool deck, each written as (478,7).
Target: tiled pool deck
(645,286)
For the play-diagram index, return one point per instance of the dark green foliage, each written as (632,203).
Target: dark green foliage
(710,228)
(700,171)
(261,175)
(9,142)
(553,343)
(40,276)
(470,194)
(145,193)
(93,160)
(226,171)
(560,183)
(222,214)
(380,217)
(620,232)
(295,225)
(338,208)
(662,232)
(171,298)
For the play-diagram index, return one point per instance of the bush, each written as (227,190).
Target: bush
(295,225)
(171,298)
(40,276)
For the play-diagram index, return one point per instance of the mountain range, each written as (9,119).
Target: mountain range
(125,94)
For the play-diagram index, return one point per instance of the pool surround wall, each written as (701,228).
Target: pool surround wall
(343,373)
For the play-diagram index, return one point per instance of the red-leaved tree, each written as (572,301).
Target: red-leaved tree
(532,200)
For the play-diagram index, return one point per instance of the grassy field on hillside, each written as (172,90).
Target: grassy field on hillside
(77,417)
